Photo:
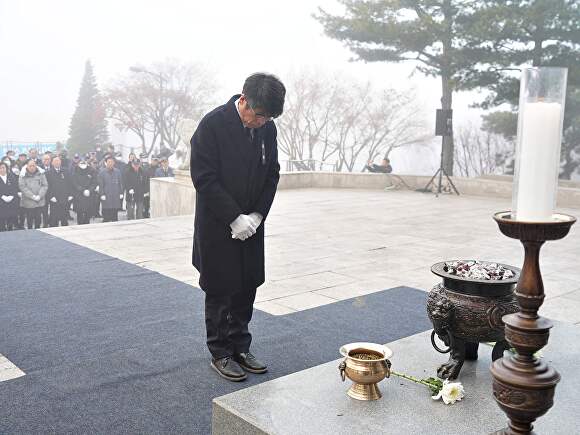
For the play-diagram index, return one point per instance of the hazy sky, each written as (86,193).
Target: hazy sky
(44,46)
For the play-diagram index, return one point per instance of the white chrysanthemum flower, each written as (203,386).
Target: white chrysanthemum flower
(450,393)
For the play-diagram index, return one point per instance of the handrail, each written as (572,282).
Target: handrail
(308,165)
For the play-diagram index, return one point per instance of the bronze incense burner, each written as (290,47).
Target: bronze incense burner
(467,311)
(365,364)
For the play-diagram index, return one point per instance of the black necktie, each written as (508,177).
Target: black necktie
(249,133)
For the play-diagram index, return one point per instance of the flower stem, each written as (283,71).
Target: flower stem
(410,378)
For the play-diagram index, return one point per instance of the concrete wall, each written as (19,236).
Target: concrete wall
(176,196)
(172,196)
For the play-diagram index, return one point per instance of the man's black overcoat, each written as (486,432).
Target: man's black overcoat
(232,175)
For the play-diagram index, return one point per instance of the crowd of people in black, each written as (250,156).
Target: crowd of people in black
(40,191)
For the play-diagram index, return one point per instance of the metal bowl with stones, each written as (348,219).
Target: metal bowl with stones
(466,309)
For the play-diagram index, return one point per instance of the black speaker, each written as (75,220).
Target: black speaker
(444,123)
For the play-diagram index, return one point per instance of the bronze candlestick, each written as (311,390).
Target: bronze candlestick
(523,385)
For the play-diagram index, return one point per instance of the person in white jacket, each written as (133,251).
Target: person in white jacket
(33,185)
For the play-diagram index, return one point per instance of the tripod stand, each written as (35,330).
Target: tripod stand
(440,172)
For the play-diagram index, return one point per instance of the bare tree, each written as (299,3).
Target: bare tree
(479,152)
(150,101)
(308,108)
(341,120)
(387,120)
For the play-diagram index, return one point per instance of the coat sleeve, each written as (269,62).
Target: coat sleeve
(43,186)
(48,192)
(266,198)
(122,184)
(125,180)
(101,183)
(204,174)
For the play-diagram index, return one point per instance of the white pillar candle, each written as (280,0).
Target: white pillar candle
(539,163)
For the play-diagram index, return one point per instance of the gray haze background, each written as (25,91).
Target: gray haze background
(44,46)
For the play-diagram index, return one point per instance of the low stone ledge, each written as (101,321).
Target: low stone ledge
(181,193)
(314,401)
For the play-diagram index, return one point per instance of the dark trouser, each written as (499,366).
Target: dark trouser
(95,205)
(58,214)
(33,216)
(7,223)
(45,216)
(83,217)
(110,215)
(21,217)
(134,210)
(146,206)
(226,321)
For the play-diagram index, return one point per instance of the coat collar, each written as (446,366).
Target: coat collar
(244,148)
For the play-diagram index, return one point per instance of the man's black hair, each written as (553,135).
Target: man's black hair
(266,92)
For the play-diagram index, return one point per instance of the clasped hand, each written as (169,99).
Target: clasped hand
(245,226)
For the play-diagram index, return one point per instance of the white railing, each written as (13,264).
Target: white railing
(309,165)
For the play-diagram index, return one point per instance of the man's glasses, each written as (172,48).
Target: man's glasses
(260,116)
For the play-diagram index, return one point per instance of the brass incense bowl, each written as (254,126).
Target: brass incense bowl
(365,364)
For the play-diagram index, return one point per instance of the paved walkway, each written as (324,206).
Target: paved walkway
(324,245)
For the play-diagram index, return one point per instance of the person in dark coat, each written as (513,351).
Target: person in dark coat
(164,170)
(111,190)
(235,170)
(9,201)
(33,154)
(46,165)
(64,160)
(146,167)
(384,168)
(16,169)
(22,159)
(83,181)
(135,183)
(10,165)
(46,162)
(59,193)
(95,197)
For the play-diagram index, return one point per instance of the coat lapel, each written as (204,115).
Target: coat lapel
(240,142)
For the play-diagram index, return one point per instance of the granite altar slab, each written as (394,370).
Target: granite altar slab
(314,401)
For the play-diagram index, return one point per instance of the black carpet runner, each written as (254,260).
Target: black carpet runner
(112,348)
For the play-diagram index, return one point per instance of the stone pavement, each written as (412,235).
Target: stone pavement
(324,245)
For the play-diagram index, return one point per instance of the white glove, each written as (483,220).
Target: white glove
(257,218)
(146,194)
(7,198)
(121,196)
(36,197)
(19,194)
(243,227)
(86,192)
(97,189)
(70,198)
(131,191)
(10,198)
(103,197)
(53,199)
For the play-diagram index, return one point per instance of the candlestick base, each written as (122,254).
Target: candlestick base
(523,385)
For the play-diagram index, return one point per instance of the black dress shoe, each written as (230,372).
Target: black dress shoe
(250,363)
(228,369)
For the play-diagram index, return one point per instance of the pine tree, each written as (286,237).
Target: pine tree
(88,127)
(427,32)
(513,34)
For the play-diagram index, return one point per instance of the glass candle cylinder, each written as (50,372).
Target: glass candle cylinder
(537,164)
